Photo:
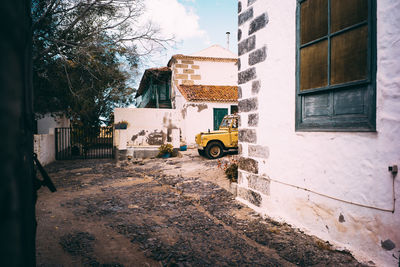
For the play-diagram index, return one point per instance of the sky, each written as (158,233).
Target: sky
(195,25)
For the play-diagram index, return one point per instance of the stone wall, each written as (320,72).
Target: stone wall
(185,72)
(251,53)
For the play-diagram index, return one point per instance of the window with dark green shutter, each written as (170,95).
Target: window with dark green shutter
(219,114)
(336,65)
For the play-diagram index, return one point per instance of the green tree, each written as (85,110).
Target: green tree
(84,54)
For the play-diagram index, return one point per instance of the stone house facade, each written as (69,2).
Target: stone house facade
(320,120)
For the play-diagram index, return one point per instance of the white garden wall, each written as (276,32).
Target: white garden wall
(146,126)
(335,185)
(48,121)
(151,127)
(44,147)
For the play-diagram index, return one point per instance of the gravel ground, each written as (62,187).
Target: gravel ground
(162,212)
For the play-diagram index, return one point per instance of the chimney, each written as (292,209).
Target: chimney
(227,40)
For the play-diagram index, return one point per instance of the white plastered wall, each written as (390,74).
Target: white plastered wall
(144,124)
(44,141)
(199,117)
(217,73)
(347,166)
(189,119)
(44,147)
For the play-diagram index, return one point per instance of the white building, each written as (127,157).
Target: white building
(320,119)
(192,94)
(204,89)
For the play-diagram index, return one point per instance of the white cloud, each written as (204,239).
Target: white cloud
(174,19)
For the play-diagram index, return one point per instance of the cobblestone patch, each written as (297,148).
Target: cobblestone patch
(173,218)
(77,243)
(81,244)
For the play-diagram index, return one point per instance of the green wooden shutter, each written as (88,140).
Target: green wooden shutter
(219,114)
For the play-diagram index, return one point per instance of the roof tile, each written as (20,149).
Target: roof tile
(212,93)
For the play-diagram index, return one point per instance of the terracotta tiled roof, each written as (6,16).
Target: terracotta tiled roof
(209,93)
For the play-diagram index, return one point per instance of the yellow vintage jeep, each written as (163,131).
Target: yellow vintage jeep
(213,144)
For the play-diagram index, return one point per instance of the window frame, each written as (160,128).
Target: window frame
(363,123)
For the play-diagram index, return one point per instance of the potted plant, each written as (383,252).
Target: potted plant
(165,150)
(183,146)
(122,125)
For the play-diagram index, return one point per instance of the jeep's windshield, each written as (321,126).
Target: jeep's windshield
(226,122)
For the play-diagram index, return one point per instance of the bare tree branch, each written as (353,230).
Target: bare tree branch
(80,47)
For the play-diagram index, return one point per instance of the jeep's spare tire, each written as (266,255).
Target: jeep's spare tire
(214,150)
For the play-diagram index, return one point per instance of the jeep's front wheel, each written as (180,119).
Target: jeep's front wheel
(214,150)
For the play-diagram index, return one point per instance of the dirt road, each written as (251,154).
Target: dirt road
(162,212)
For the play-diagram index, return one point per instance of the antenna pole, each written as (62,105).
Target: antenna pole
(227,40)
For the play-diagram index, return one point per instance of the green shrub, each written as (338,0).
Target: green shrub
(232,172)
(230,169)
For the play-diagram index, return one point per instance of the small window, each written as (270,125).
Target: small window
(234,109)
(336,66)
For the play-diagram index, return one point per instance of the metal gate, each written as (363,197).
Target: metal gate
(84,143)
